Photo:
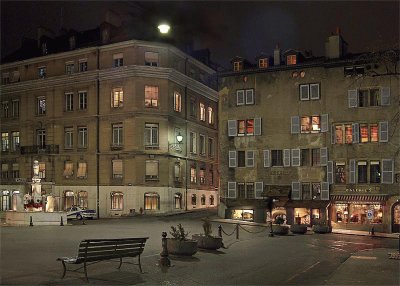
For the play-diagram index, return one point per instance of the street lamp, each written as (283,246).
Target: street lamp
(164,28)
(270,206)
(178,147)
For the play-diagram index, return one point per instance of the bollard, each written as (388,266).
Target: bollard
(237,231)
(164,260)
(372,231)
(83,222)
(31,222)
(220,231)
(62,222)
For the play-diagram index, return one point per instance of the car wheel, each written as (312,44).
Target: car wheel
(79,217)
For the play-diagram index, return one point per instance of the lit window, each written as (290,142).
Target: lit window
(373,128)
(68,169)
(117,201)
(237,66)
(4,142)
(316,124)
(202,176)
(340,172)
(339,134)
(41,105)
(151,59)
(83,199)
(151,170)
(118,60)
(117,169)
(202,112)
(250,126)
(117,97)
(276,158)
(263,63)
(69,101)
(210,115)
(310,124)
(291,60)
(348,133)
(150,96)
(241,127)
(68,138)
(82,100)
(364,133)
(151,135)
(151,201)
(245,127)
(177,102)
(82,137)
(82,170)
(193,175)
(69,199)
(42,170)
(306,124)
(362,167)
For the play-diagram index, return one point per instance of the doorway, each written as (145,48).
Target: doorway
(396,217)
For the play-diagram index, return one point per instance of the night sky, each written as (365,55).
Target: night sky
(227,28)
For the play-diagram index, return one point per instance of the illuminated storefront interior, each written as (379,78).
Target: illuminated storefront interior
(358,213)
(243,214)
(306,215)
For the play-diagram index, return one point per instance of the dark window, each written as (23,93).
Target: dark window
(375,172)
(362,172)
(277,158)
(241,158)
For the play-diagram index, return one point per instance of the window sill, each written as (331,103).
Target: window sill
(152,179)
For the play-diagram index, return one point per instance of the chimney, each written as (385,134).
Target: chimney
(277,56)
(335,46)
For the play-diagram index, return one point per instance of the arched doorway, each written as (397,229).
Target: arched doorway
(396,217)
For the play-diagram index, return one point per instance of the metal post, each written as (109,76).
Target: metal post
(237,231)
(164,260)
(62,222)
(271,232)
(220,232)
(30,222)
(399,243)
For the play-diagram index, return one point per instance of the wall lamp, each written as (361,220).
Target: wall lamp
(177,146)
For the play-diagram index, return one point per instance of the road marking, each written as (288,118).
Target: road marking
(349,242)
(364,257)
(305,270)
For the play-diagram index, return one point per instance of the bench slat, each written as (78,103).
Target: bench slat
(111,246)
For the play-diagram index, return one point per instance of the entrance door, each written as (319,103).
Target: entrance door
(396,218)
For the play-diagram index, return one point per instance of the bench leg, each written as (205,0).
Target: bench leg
(140,265)
(84,267)
(120,262)
(65,269)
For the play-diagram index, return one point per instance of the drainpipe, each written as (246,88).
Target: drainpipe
(98,137)
(186,137)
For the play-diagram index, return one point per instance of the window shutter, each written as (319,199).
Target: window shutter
(329,172)
(286,157)
(257,126)
(333,134)
(314,91)
(240,97)
(296,191)
(249,96)
(259,190)
(295,125)
(383,131)
(324,156)
(232,159)
(324,123)
(266,159)
(304,92)
(385,96)
(249,158)
(295,157)
(356,131)
(231,190)
(232,128)
(352,97)
(324,191)
(352,177)
(387,171)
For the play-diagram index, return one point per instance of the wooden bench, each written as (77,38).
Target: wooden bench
(95,250)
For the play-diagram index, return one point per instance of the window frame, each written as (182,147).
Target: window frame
(151,96)
(117,97)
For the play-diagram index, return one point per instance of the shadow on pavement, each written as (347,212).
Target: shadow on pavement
(184,258)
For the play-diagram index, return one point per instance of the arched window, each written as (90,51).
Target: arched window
(5,200)
(117,201)
(69,199)
(194,199)
(151,201)
(211,200)
(203,200)
(83,199)
(178,200)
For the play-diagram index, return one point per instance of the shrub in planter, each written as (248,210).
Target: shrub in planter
(206,240)
(298,228)
(180,244)
(321,226)
(278,228)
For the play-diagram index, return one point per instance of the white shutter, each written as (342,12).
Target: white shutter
(385,96)
(240,97)
(387,171)
(324,191)
(295,125)
(356,133)
(257,126)
(231,190)
(266,159)
(352,97)
(324,123)
(329,172)
(249,96)
(383,131)
(314,91)
(352,171)
(333,134)
(304,92)
(296,190)
(259,190)
(249,158)
(232,159)
(324,156)
(232,128)
(295,157)
(286,157)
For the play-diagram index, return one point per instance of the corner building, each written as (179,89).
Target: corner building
(320,135)
(102,116)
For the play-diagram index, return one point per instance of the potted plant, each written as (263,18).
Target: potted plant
(278,228)
(321,226)
(206,240)
(179,244)
(298,228)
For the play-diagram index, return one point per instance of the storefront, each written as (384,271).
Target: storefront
(243,214)
(307,212)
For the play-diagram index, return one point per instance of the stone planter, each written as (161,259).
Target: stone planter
(208,242)
(298,228)
(321,228)
(181,247)
(280,229)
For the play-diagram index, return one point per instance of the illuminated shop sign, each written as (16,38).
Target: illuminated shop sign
(359,190)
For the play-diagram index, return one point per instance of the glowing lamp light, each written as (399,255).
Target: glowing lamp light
(179,137)
(163,28)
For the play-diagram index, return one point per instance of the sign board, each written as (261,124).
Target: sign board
(20,180)
(370,214)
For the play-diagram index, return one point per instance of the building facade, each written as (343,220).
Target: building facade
(320,135)
(103,118)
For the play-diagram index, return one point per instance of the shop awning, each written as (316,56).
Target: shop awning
(358,198)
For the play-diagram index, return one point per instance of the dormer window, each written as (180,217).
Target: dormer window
(237,66)
(263,63)
(291,60)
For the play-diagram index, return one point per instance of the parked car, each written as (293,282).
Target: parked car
(76,212)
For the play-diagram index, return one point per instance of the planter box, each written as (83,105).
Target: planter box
(208,242)
(181,247)
(322,228)
(280,229)
(298,228)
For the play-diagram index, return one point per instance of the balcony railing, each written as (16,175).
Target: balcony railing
(36,149)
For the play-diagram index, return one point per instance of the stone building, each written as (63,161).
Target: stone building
(117,125)
(319,135)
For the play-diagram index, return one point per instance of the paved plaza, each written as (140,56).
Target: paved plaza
(28,256)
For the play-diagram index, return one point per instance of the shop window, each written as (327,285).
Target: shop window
(82,170)
(151,201)
(117,201)
(152,170)
(243,214)
(83,199)
(193,174)
(69,199)
(117,169)
(68,169)
(150,96)
(203,200)
(117,97)
(358,213)
(375,172)
(194,200)
(340,172)
(276,158)
(178,201)
(151,135)
(177,101)
(315,214)
(362,173)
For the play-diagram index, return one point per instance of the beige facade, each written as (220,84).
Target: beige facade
(319,135)
(102,122)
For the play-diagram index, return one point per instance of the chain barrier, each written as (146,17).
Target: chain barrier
(236,229)
(263,230)
(230,233)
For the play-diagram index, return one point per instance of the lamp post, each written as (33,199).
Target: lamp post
(270,206)
(178,147)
